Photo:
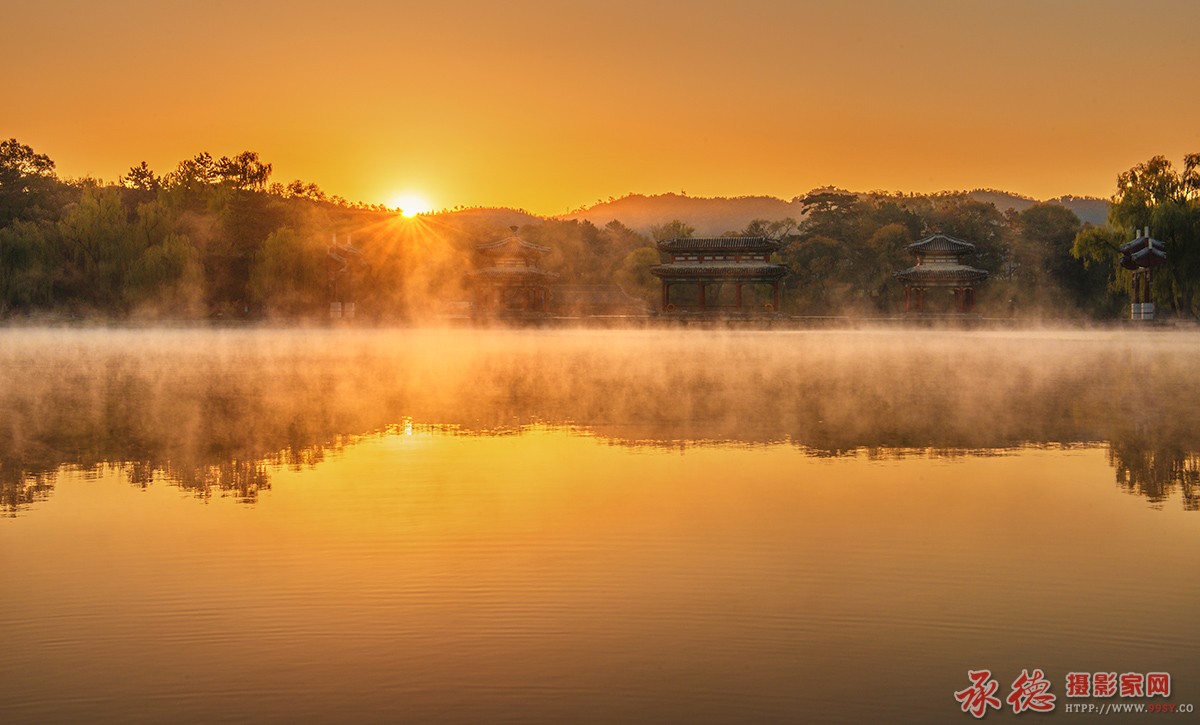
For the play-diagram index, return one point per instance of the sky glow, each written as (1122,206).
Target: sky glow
(551,106)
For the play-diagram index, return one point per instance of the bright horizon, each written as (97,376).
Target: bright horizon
(550,107)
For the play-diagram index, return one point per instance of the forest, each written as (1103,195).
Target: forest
(216,238)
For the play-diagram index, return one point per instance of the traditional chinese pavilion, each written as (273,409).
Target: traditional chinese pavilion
(343,263)
(1141,256)
(508,281)
(719,275)
(939,266)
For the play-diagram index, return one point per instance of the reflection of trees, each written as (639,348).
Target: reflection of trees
(21,488)
(213,412)
(242,479)
(210,430)
(1157,471)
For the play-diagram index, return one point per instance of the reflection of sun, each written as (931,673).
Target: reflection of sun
(411,204)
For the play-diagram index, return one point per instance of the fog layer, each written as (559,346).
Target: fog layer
(209,408)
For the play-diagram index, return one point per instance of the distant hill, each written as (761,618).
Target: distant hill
(710,216)
(1088,209)
(715,216)
(478,218)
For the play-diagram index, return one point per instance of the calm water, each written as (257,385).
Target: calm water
(564,526)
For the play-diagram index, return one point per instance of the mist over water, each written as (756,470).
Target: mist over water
(561,525)
(211,407)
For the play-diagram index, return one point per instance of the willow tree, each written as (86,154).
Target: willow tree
(1155,194)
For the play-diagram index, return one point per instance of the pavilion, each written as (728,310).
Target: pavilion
(1141,256)
(508,281)
(939,266)
(343,264)
(713,276)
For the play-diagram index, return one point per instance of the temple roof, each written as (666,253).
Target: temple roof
(709,270)
(719,244)
(1142,241)
(936,274)
(941,243)
(516,243)
(1143,252)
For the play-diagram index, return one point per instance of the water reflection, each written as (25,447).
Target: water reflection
(1157,472)
(213,411)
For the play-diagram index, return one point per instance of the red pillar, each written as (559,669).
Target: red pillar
(907,298)
(701,285)
(665,295)
(738,294)
(775,296)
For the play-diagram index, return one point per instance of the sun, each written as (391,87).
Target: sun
(411,204)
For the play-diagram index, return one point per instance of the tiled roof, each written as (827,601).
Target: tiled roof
(719,244)
(1141,242)
(709,270)
(941,243)
(1143,253)
(941,274)
(500,244)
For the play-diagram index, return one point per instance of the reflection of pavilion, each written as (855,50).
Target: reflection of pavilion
(724,271)
(939,266)
(507,279)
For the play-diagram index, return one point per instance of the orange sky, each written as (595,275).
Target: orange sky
(550,105)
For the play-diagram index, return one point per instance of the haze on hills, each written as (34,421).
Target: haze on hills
(714,216)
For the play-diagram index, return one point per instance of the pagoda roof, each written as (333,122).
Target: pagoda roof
(513,241)
(719,244)
(941,243)
(941,274)
(731,270)
(1146,258)
(1143,253)
(1142,241)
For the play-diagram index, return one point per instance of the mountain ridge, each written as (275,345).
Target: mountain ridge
(716,215)
(719,215)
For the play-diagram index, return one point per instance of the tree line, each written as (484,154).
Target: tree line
(212,237)
(216,237)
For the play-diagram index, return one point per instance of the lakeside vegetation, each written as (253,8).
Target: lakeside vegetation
(217,238)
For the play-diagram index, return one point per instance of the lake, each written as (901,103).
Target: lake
(557,525)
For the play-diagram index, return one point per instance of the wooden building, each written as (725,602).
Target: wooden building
(1141,256)
(720,276)
(344,265)
(508,281)
(939,267)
